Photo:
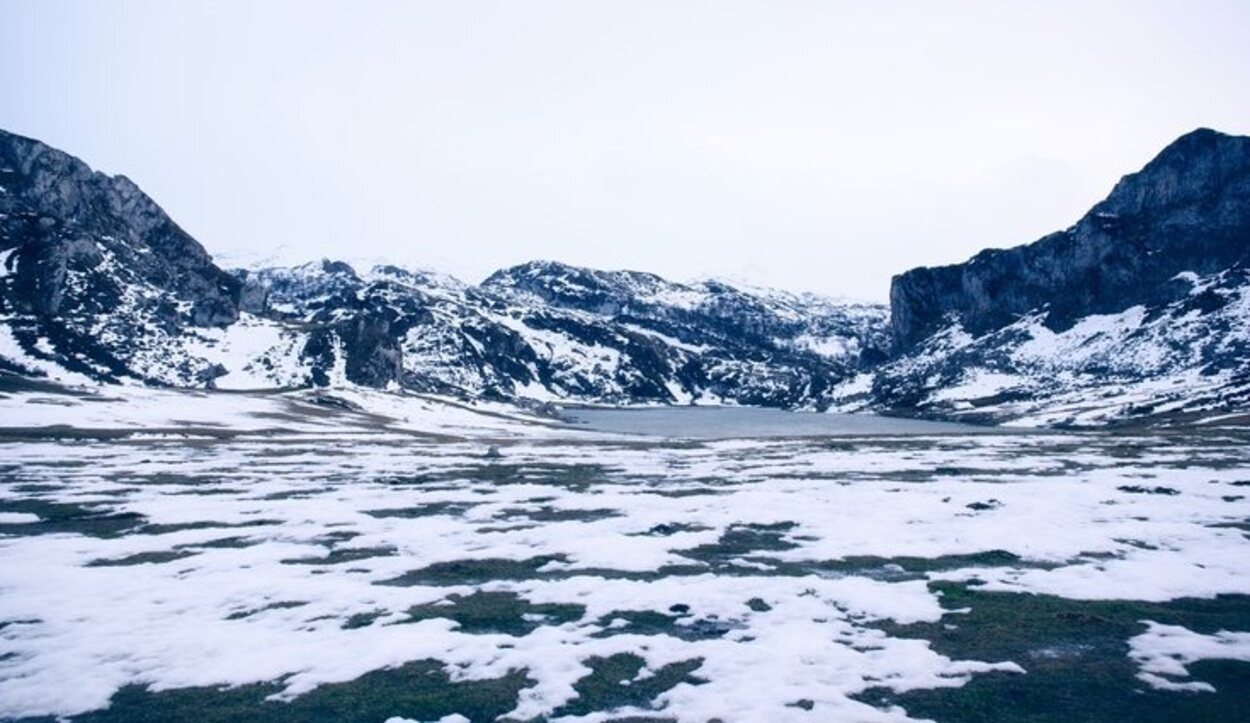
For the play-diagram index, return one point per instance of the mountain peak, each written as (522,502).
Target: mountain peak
(1197,138)
(1200,164)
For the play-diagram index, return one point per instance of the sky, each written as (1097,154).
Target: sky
(812,146)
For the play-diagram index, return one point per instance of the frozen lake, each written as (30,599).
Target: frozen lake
(754,423)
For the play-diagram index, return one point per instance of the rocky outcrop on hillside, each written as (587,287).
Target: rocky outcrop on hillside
(1140,309)
(95,275)
(1188,210)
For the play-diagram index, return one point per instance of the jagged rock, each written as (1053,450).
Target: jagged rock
(96,275)
(59,215)
(1138,310)
(1188,210)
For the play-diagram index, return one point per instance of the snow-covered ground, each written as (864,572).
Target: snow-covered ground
(183,540)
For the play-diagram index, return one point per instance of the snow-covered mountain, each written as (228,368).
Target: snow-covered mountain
(1140,309)
(545,331)
(99,284)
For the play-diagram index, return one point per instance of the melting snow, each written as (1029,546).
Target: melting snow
(397,485)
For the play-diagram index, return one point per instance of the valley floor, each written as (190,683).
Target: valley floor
(365,557)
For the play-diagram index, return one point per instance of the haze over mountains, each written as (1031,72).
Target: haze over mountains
(1139,310)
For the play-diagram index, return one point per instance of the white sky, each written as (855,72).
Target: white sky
(809,145)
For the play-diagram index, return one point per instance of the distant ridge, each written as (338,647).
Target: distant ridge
(1139,310)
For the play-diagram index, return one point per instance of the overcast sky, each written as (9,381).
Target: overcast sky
(817,146)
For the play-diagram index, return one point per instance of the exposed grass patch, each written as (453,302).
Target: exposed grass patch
(1140,490)
(573,477)
(740,541)
(362,620)
(221,543)
(552,514)
(340,555)
(672,528)
(65,517)
(280,605)
(143,558)
(614,683)
(1076,657)
(650,622)
(430,509)
(165,529)
(902,568)
(472,572)
(496,612)
(418,690)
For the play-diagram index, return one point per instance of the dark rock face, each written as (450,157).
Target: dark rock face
(1187,210)
(1138,310)
(61,215)
(92,265)
(253,293)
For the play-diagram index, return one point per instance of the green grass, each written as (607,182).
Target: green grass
(472,572)
(62,517)
(573,477)
(280,605)
(611,684)
(552,514)
(340,555)
(431,509)
(1076,657)
(496,612)
(143,558)
(419,690)
(678,624)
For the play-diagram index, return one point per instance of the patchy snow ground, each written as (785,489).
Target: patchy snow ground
(219,539)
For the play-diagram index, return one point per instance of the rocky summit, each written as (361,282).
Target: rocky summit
(1140,309)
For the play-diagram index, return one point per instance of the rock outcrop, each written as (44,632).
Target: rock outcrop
(1188,210)
(59,217)
(95,275)
(1141,309)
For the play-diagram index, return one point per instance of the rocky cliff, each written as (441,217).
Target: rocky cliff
(1188,210)
(548,331)
(94,273)
(1140,309)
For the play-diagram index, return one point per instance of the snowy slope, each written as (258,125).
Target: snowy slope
(545,331)
(1188,356)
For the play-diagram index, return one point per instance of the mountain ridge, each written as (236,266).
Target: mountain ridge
(1201,168)
(1149,286)
(1146,294)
